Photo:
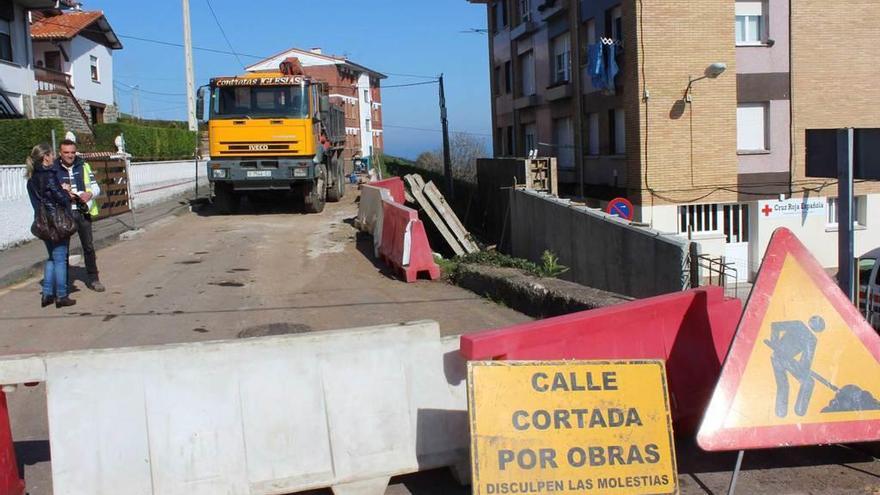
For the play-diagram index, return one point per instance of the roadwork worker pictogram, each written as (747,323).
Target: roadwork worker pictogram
(794,347)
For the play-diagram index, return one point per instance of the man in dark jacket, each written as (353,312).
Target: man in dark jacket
(72,170)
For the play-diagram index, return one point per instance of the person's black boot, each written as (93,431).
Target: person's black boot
(46,300)
(64,302)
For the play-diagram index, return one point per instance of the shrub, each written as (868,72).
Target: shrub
(18,137)
(147,143)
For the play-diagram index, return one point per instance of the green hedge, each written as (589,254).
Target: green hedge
(147,143)
(18,137)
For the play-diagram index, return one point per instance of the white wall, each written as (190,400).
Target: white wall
(84,88)
(366,113)
(151,182)
(17,77)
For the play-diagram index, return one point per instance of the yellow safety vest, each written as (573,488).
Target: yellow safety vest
(88,178)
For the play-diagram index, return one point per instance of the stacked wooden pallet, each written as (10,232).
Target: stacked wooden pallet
(432,202)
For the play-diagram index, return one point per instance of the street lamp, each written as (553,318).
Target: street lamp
(712,72)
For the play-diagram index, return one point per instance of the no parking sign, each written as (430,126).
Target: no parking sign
(621,207)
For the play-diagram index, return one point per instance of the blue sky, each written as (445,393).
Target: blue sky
(419,37)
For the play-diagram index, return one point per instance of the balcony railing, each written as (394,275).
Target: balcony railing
(52,81)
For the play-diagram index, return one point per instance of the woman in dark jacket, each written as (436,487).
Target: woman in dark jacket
(44,189)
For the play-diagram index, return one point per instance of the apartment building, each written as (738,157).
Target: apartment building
(695,110)
(353,86)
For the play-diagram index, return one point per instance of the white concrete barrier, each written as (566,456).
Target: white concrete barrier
(345,409)
(370,215)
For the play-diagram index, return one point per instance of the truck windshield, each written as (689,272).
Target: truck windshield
(260,102)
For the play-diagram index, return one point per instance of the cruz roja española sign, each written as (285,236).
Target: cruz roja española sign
(570,427)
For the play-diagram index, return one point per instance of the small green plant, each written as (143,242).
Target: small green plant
(550,266)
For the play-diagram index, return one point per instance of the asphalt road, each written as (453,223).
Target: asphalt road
(273,270)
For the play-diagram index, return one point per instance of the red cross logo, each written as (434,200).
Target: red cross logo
(767,210)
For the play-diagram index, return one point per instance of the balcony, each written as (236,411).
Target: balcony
(526,102)
(52,81)
(558,91)
(551,8)
(523,29)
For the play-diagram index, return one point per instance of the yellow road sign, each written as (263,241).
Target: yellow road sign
(803,368)
(570,427)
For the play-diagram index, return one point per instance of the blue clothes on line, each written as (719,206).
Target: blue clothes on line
(596,64)
(602,65)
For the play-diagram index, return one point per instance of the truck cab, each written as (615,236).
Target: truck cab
(869,286)
(273,132)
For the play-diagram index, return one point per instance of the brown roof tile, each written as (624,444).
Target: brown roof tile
(63,27)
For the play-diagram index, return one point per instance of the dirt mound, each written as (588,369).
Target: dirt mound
(852,398)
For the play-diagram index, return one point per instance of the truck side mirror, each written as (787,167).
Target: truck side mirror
(200,104)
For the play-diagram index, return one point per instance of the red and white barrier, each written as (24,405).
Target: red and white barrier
(10,483)
(394,186)
(405,244)
(690,330)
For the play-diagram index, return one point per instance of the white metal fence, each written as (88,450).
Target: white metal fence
(151,182)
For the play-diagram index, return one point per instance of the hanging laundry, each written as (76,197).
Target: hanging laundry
(611,68)
(596,64)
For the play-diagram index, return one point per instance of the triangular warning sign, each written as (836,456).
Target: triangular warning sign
(804,366)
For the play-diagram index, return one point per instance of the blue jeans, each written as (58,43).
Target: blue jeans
(55,272)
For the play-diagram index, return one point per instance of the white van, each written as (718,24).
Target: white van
(869,286)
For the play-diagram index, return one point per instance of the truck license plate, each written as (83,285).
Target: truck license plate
(259,173)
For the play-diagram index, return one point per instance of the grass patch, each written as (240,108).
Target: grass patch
(549,266)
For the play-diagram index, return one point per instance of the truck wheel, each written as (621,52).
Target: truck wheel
(316,191)
(225,199)
(337,190)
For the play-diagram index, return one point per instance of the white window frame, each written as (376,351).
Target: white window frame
(527,71)
(368,125)
(746,11)
(366,95)
(94,62)
(860,211)
(561,46)
(746,138)
(593,134)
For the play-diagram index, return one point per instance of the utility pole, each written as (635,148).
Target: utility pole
(447,160)
(190,78)
(136,101)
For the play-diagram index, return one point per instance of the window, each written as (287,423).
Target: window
(593,134)
(749,23)
(732,220)
(751,127)
(5,38)
(859,211)
(591,32)
(524,10)
(617,131)
(53,60)
(563,140)
(367,95)
(500,15)
(509,148)
(614,23)
(93,68)
(368,125)
(561,58)
(697,219)
(527,70)
(530,137)
(508,77)
(496,89)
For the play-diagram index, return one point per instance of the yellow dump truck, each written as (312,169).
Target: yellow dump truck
(273,133)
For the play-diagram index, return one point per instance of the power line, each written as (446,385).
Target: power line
(149,92)
(408,85)
(408,75)
(434,130)
(223,32)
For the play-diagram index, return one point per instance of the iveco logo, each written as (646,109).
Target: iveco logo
(258,147)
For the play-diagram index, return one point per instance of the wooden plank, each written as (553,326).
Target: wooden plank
(455,225)
(422,201)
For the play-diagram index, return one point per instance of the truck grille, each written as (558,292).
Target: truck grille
(239,148)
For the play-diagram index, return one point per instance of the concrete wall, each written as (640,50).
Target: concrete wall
(151,182)
(601,251)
